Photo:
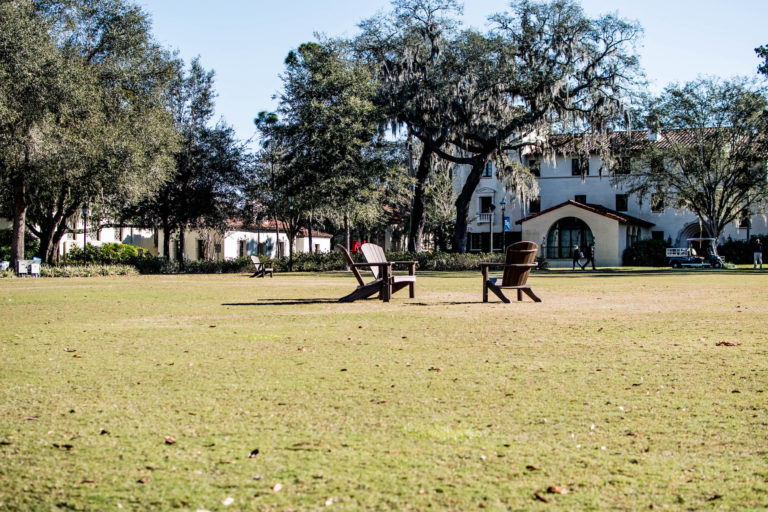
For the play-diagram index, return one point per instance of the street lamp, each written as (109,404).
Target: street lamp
(493,207)
(503,204)
(86,212)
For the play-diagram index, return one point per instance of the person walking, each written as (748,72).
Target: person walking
(577,255)
(758,256)
(590,256)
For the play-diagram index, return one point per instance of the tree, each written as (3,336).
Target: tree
(406,51)
(545,67)
(762,52)
(711,154)
(108,137)
(210,166)
(326,127)
(30,92)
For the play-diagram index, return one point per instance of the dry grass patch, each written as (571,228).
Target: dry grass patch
(613,389)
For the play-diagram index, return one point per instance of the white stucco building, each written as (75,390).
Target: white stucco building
(572,209)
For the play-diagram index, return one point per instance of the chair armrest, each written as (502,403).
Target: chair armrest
(375,264)
(492,264)
(409,262)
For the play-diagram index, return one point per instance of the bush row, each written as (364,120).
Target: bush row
(90,270)
(652,253)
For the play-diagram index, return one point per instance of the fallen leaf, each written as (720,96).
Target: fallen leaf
(728,343)
(170,440)
(435,369)
(556,489)
(541,498)
(228,501)
(88,481)
(77,356)
(67,447)
(70,350)
(531,467)
(258,477)
(253,453)
(302,349)
(277,487)
(600,329)
(143,480)
(103,432)
(717,496)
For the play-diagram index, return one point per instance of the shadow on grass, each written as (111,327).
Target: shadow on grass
(283,302)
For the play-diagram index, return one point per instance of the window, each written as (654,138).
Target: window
(623,165)
(745,221)
(242,249)
(580,198)
(488,171)
(564,235)
(485,204)
(534,166)
(657,203)
(534,205)
(622,202)
(579,166)
(657,235)
(217,248)
(200,249)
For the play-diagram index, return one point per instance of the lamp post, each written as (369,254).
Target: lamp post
(86,212)
(503,204)
(490,238)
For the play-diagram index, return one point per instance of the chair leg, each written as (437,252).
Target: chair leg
(532,295)
(519,295)
(497,292)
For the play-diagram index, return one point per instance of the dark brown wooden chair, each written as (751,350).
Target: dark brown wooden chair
(261,269)
(383,283)
(521,258)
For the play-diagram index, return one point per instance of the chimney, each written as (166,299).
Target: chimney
(653,135)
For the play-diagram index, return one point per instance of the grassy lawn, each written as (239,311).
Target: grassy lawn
(613,389)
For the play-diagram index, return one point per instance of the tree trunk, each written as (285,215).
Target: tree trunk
(347,237)
(462,203)
(182,248)
(418,208)
(19,217)
(277,239)
(311,246)
(166,239)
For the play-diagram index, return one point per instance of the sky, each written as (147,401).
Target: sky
(246,41)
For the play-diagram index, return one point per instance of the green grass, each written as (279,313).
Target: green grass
(613,388)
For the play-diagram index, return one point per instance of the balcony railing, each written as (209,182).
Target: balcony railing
(483,218)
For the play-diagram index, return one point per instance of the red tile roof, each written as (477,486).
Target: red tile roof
(621,217)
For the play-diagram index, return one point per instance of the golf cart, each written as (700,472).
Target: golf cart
(689,257)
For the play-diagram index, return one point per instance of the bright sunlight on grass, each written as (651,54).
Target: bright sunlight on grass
(229,393)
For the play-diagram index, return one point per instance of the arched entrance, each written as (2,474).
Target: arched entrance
(692,230)
(564,234)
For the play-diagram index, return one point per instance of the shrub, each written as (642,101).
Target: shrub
(741,251)
(106,254)
(647,253)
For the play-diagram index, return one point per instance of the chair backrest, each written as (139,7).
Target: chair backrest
(351,263)
(256,261)
(373,254)
(519,252)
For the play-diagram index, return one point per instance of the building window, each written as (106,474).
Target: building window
(623,165)
(534,166)
(488,170)
(622,202)
(534,205)
(200,249)
(657,235)
(657,203)
(242,250)
(217,248)
(745,220)
(485,204)
(579,166)
(580,198)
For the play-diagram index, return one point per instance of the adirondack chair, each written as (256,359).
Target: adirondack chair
(261,269)
(521,258)
(383,283)
(374,254)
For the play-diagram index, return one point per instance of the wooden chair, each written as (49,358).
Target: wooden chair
(261,269)
(383,283)
(375,254)
(521,258)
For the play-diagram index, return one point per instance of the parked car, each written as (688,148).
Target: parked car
(689,257)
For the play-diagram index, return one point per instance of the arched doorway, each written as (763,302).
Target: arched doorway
(564,234)
(692,230)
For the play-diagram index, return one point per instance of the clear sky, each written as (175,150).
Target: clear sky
(246,41)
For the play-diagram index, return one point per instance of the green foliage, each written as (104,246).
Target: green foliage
(646,253)
(741,251)
(108,254)
(31,245)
